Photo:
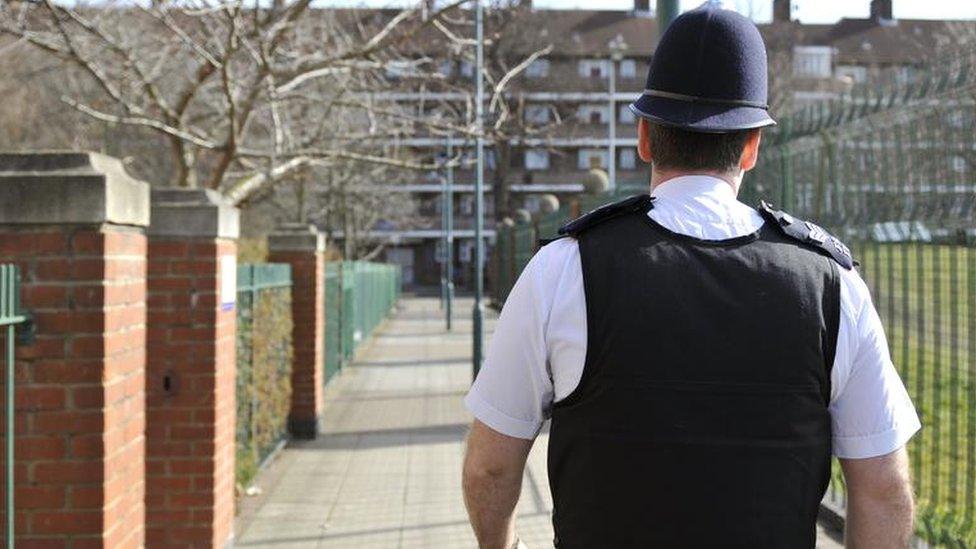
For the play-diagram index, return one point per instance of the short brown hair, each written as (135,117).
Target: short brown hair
(679,149)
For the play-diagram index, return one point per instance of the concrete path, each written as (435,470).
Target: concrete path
(386,471)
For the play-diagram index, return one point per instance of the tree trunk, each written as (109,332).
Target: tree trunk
(501,191)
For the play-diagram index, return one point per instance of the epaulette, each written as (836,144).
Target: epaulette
(810,234)
(637,203)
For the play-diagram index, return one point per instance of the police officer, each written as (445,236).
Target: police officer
(700,360)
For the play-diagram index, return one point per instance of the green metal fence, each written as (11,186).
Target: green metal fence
(333,319)
(515,245)
(264,361)
(358,296)
(11,316)
(893,173)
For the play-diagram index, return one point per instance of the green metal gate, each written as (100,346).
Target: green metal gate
(10,316)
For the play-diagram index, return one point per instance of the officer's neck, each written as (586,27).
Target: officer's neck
(661,176)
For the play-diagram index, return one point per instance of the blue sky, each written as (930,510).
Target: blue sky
(809,11)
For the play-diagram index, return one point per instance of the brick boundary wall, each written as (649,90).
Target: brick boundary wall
(74,223)
(191,371)
(303,247)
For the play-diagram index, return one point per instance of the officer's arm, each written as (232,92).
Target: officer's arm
(493,469)
(879,501)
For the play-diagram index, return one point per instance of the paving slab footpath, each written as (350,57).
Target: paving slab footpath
(386,470)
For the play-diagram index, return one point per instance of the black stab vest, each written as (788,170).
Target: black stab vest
(701,417)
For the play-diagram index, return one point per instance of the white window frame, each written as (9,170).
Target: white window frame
(401,69)
(813,61)
(628,68)
(538,69)
(584,156)
(536,159)
(628,158)
(537,114)
(586,67)
(585,112)
(958,164)
(626,115)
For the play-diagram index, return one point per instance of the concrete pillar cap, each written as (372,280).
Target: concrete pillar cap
(299,237)
(178,211)
(65,187)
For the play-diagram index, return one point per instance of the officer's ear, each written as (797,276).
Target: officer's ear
(644,140)
(750,153)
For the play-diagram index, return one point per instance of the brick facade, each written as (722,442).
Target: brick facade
(303,250)
(80,401)
(190,392)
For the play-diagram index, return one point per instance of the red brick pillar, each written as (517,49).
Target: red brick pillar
(303,247)
(75,224)
(190,376)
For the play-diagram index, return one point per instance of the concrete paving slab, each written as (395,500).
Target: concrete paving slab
(386,470)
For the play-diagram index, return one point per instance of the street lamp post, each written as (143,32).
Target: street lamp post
(478,313)
(449,232)
(667,11)
(617,47)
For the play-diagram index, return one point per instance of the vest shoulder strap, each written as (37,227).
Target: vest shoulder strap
(809,234)
(637,203)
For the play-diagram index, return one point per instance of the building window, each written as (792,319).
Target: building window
(957,119)
(958,164)
(465,254)
(538,69)
(904,75)
(594,68)
(401,69)
(467,205)
(467,69)
(628,68)
(626,115)
(537,114)
(592,114)
(812,61)
(446,68)
(536,159)
(592,158)
(628,159)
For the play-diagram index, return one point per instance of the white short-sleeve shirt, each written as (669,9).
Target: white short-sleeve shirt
(538,349)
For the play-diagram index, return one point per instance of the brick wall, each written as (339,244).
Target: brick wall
(190,395)
(80,387)
(308,338)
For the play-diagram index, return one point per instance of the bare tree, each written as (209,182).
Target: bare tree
(242,95)
(511,46)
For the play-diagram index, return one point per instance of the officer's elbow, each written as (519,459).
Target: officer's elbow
(881,480)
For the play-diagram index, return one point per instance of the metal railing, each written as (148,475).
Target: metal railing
(358,296)
(264,363)
(11,316)
(892,172)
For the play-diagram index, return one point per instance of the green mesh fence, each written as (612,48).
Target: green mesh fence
(358,296)
(264,358)
(893,173)
(515,245)
(333,316)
